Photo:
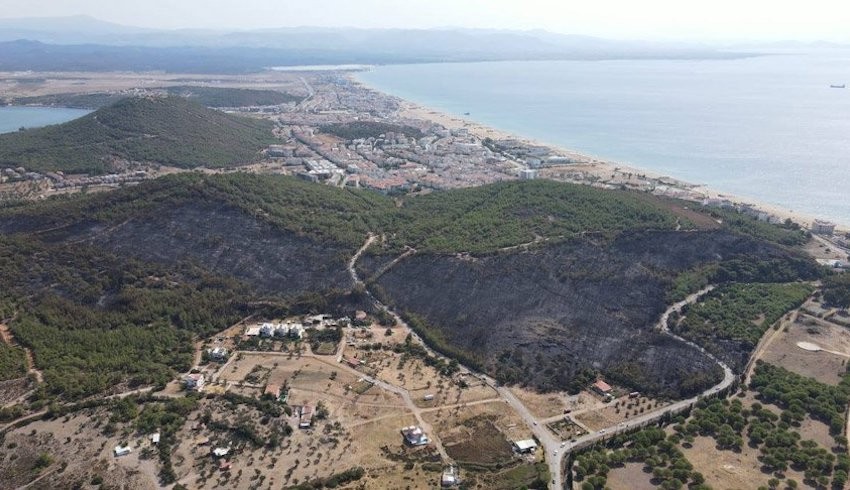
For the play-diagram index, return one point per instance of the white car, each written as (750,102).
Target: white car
(563,444)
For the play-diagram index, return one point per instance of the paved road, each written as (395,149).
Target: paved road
(554,448)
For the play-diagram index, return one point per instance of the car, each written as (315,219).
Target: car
(556,451)
(535,422)
(602,431)
(563,444)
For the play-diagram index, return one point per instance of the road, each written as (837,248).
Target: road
(554,448)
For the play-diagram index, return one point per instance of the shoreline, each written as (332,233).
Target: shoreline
(593,164)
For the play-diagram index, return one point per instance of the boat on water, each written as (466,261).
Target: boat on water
(837,86)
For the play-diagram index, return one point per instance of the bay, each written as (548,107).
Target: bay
(14,117)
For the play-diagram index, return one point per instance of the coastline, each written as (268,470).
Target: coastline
(596,166)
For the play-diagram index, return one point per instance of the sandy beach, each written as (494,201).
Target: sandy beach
(600,167)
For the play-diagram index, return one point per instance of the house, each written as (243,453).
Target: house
(413,436)
(449,477)
(252,332)
(305,417)
(296,330)
(821,227)
(525,446)
(528,174)
(267,329)
(428,397)
(351,361)
(220,452)
(217,354)
(121,451)
(155,438)
(194,381)
(601,387)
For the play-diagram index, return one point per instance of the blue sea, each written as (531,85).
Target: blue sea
(769,128)
(13,118)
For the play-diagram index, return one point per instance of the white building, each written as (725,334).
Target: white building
(525,446)
(194,381)
(528,174)
(821,227)
(414,436)
(121,451)
(218,353)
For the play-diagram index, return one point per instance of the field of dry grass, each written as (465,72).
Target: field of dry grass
(618,411)
(72,450)
(630,477)
(825,367)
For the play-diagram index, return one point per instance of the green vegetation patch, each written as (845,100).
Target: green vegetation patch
(94,321)
(780,446)
(232,97)
(801,395)
(652,447)
(167,130)
(484,219)
(369,129)
(740,312)
(788,233)
(836,290)
(13,362)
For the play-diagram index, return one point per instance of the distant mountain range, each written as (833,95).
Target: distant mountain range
(85,43)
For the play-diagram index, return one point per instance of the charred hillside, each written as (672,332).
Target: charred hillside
(536,282)
(543,317)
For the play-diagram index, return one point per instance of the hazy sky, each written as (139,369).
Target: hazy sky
(646,19)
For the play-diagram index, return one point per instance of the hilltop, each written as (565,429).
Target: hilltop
(536,282)
(168,130)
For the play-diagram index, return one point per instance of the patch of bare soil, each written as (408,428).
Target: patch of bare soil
(822,366)
(630,477)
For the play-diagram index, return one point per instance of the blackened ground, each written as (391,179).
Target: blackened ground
(544,316)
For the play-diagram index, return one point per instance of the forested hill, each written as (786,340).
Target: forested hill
(168,130)
(144,268)
(476,220)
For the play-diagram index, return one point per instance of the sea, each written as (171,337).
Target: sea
(769,128)
(15,117)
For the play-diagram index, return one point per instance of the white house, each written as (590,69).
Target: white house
(194,381)
(121,450)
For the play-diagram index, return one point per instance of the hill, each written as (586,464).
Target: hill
(168,130)
(535,282)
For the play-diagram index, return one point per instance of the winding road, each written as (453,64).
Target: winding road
(553,447)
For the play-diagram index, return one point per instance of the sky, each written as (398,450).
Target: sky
(700,20)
